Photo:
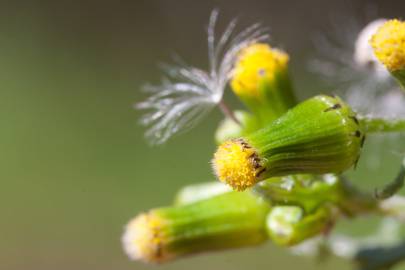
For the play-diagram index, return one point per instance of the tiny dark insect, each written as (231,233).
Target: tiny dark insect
(357,133)
(334,107)
(260,172)
(256,165)
(354,118)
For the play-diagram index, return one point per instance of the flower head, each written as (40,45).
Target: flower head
(237,164)
(257,62)
(261,80)
(143,238)
(188,93)
(389,44)
(320,135)
(228,220)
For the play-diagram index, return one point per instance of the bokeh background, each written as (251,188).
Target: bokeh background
(74,164)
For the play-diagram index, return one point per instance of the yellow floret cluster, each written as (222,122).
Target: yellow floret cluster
(143,239)
(235,164)
(389,45)
(255,63)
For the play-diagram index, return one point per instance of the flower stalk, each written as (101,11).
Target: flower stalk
(312,191)
(378,125)
(228,112)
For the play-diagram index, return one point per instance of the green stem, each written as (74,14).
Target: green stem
(228,112)
(400,76)
(374,125)
(392,187)
(311,191)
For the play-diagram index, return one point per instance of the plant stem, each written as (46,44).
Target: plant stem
(228,112)
(392,187)
(309,192)
(373,125)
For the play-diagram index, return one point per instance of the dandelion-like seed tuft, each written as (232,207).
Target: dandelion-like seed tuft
(389,45)
(188,93)
(237,164)
(363,55)
(255,63)
(142,239)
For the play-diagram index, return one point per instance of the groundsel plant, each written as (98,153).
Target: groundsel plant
(189,93)
(280,163)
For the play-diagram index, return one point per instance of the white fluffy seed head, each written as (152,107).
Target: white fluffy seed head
(135,237)
(347,63)
(188,93)
(364,53)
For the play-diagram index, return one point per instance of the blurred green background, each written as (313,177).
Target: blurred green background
(74,164)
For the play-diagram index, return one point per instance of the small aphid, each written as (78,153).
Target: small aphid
(189,93)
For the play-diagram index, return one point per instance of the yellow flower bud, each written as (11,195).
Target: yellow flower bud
(260,79)
(256,63)
(229,220)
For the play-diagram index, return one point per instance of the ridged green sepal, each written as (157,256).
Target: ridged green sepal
(320,135)
(230,220)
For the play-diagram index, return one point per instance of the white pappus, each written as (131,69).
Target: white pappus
(188,93)
(346,61)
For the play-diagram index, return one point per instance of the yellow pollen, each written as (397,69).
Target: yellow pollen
(256,62)
(237,164)
(143,238)
(389,44)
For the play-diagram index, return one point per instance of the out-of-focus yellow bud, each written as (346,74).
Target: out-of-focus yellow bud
(260,79)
